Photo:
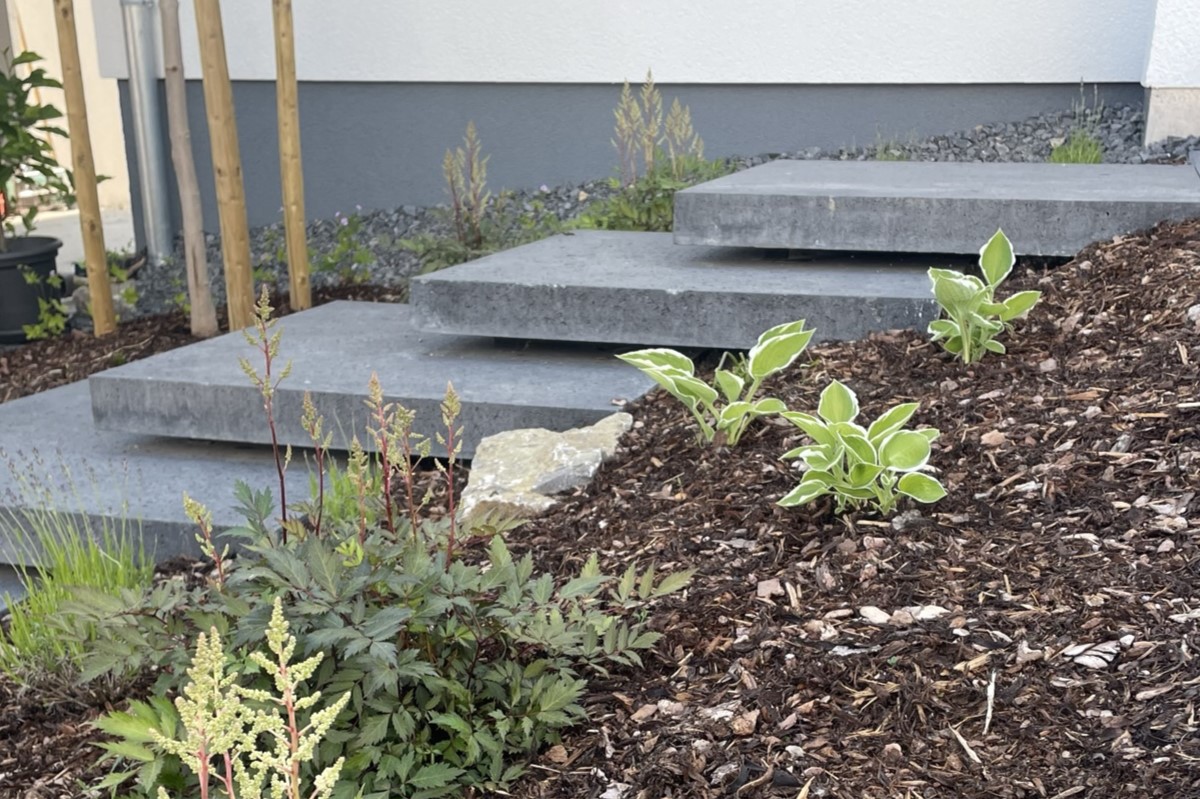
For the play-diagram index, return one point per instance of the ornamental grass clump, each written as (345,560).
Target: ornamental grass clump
(861,466)
(973,316)
(724,413)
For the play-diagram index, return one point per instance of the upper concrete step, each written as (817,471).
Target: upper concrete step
(200,392)
(639,288)
(899,206)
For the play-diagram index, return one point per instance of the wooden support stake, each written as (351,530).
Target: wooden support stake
(203,312)
(227,165)
(84,168)
(290,164)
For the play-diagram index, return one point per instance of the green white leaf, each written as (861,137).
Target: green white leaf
(804,493)
(814,427)
(904,451)
(659,357)
(862,475)
(838,403)
(733,413)
(921,487)
(781,330)
(891,421)
(777,353)
(858,450)
(768,405)
(996,258)
(1019,304)
(730,384)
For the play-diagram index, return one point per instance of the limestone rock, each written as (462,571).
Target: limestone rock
(516,473)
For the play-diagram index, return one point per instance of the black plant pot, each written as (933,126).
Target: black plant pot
(19,296)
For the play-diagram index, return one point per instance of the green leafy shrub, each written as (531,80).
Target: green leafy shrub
(861,466)
(725,412)
(974,317)
(348,258)
(655,160)
(459,661)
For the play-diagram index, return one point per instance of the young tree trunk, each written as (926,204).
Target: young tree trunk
(227,164)
(290,166)
(203,312)
(86,196)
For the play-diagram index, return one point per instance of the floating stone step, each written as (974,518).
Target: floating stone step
(200,392)
(898,206)
(54,460)
(639,288)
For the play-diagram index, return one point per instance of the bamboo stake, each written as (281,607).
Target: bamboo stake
(227,165)
(84,168)
(203,313)
(291,169)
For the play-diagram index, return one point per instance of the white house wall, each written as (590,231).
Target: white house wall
(688,41)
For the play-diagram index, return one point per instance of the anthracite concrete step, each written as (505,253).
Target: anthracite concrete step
(200,392)
(898,206)
(54,460)
(639,288)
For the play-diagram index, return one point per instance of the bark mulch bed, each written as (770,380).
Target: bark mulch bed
(42,365)
(1034,634)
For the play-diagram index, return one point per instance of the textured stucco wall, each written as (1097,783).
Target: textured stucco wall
(684,41)
(1173,60)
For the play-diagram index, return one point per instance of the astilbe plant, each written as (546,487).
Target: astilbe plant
(255,750)
(458,659)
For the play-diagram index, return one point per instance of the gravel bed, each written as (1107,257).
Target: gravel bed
(1118,128)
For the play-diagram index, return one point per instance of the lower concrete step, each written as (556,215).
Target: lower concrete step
(54,460)
(200,392)
(898,206)
(639,288)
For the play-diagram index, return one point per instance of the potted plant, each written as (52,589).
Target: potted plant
(27,263)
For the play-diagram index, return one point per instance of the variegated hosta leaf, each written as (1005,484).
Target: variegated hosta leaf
(838,403)
(904,451)
(921,487)
(814,427)
(777,351)
(891,421)
(659,357)
(730,384)
(996,258)
(809,489)
(1019,304)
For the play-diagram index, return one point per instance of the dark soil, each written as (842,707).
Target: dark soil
(49,363)
(932,655)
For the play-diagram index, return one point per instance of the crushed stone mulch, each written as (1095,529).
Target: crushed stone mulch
(1034,634)
(41,365)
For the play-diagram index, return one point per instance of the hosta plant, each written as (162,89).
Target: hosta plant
(861,466)
(726,411)
(973,317)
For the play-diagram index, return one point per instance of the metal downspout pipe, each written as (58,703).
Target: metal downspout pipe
(141,49)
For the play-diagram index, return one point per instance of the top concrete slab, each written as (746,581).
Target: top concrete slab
(932,207)
(200,392)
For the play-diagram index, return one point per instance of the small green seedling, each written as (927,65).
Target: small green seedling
(973,317)
(725,412)
(861,466)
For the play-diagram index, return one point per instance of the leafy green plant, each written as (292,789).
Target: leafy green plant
(349,258)
(459,661)
(58,553)
(655,160)
(52,314)
(859,465)
(726,411)
(1080,148)
(973,316)
(1083,144)
(26,154)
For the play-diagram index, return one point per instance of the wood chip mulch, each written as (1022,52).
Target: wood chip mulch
(1034,634)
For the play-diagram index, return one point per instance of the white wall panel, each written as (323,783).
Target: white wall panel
(685,41)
